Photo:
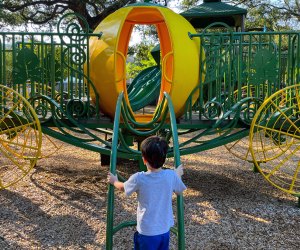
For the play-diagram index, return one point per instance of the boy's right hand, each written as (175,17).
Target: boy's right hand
(112,178)
(179,170)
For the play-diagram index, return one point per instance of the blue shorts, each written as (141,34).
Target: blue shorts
(156,242)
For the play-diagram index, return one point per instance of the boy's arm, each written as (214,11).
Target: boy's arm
(113,179)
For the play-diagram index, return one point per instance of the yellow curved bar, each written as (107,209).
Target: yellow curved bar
(123,61)
(164,66)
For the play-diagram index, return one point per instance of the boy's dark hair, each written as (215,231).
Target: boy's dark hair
(154,150)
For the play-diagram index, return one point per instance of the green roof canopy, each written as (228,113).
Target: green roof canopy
(215,11)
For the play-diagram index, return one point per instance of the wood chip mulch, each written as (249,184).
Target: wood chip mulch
(61,204)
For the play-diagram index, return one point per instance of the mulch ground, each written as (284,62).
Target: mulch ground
(61,204)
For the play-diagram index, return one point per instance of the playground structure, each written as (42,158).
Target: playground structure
(237,89)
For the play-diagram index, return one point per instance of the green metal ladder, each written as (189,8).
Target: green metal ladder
(161,114)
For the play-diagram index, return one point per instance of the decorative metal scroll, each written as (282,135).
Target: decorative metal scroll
(65,121)
(73,31)
(213,110)
(74,24)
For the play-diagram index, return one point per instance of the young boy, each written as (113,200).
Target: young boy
(154,190)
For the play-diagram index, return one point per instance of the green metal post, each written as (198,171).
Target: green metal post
(111,188)
(1,67)
(180,222)
(180,207)
(52,68)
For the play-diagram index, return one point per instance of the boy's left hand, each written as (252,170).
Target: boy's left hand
(112,178)
(179,170)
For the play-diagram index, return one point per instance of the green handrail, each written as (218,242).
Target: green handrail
(180,212)
(121,110)
(113,164)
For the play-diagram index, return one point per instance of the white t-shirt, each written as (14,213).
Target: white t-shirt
(154,192)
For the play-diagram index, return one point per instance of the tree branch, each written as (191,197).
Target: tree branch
(47,16)
(15,8)
(43,11)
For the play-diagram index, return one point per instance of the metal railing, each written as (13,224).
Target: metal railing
(51,64)
(235,65)
(243,64)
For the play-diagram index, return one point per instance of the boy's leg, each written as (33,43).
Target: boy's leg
(165,241)
(157,242)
